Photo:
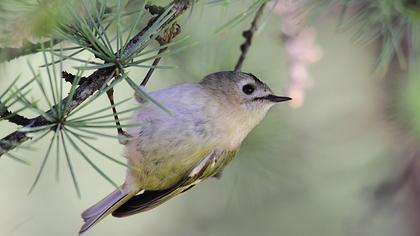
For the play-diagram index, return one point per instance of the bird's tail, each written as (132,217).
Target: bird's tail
(106,206)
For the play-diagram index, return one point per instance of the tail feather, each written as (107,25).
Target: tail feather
(93,210)
(106,206)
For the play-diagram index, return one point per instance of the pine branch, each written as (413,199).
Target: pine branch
(13,117)
(8,54)
(97,79)
(137,44)
(248,35)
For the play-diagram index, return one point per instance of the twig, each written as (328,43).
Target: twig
(171,33)
(13,117)
(97,79)
(122,135)
(248,34)
(150,72)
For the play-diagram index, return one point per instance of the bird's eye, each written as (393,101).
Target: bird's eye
(248,89)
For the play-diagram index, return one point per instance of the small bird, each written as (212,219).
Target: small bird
(170,153)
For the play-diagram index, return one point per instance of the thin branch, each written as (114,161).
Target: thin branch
(171,33)
(97,79)
(13,117)
(248,34)
(122,135)
(150,72)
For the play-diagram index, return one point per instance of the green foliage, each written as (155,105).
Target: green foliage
(241,16)
(89,26)
(395,24)
(26,21)
(11,97)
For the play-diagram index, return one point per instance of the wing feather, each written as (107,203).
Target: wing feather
(207,167)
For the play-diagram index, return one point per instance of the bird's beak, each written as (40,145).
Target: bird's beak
(274,98)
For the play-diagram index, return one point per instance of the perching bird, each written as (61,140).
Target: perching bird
(170,153)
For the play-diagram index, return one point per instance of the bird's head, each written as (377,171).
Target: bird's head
(242,90)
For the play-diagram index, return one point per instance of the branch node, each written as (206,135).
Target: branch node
(124,138)
(248,34)
(68,77)
(155,10)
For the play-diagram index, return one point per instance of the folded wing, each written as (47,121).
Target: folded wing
(212,164)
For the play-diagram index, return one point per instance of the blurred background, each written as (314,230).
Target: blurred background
(339,161)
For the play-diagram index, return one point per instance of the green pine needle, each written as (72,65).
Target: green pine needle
(241,16)
(18,159)
(92,164)
(44,162)
(69,164)
(142,93)
(97,150)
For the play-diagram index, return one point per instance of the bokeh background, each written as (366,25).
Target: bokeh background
(319,169)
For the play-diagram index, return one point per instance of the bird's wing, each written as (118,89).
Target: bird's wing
(207,167)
